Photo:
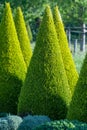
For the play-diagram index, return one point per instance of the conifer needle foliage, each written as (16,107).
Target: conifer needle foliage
(46,90)
(12,65)
(68,61)
(23,36)
(78,106)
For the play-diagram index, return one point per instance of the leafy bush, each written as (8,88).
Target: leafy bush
(62,125)
(10,122)
(30,122)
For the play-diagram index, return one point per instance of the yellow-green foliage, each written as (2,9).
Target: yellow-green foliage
(78,106)
(69,65)
(23,36)
(12,65)
(29,31)
(46,89)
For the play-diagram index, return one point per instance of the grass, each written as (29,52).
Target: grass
(78,57)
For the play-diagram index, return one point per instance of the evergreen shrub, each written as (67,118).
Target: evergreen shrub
(46,90)
(23,36)
(3,114)
(12,65)
(10,122)
(29,32)
(30,122)
(68,61)
(78,105)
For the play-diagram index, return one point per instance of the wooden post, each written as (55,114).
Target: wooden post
(82,45)
(75,45)
(69,37)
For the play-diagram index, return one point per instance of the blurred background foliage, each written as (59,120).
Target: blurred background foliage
(73,12)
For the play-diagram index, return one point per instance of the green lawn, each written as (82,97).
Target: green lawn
(78,57)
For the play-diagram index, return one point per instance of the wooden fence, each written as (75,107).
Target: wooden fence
(77,36)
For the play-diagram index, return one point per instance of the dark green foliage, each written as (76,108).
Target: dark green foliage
(10,122)
(30,122)
(1,10)
(63,125)
(23,36)
(69,65)
(12,65)
(4,114)
(46,90)
(78,106)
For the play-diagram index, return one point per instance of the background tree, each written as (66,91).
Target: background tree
(70,9)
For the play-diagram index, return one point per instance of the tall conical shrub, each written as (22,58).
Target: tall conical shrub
(46,89)
(23,36)
(69,65)
(12,65)
(78,106)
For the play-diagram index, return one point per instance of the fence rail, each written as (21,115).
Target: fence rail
(78,35)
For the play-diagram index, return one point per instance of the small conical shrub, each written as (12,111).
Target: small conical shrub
(23,36)
(78,106)
(12,65)
(29,32)
(46,90)
(69,65)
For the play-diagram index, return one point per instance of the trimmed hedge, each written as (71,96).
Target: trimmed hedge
(62,125)
(30,122)
(12,65)
(23,36)
(10,122)
(68,61)
(78,106)
(46,90)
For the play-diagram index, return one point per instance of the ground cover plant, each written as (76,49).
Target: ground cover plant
(63,125)
(46,90)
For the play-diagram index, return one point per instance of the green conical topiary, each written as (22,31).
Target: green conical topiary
(23,36)
(69,65)
(46,89)
(78,106)
(29,31)
(12,65)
